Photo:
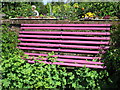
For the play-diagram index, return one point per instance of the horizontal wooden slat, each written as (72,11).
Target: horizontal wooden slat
(64,56)
(79,61)
(65,25)
(65,41)
(60,50)
(66,37)
(67,60)
(67,28)
(61,45)
(71,33)
(70,64)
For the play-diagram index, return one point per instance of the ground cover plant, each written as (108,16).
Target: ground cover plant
(17,73)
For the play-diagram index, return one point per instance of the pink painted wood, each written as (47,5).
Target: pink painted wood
(70,64)
(65,24)
(37,40)
(59,50)
(61,45)
(73,33)
(65,56)
(67,28)
(80,61)
(66,37)
(69,60)
(66,41)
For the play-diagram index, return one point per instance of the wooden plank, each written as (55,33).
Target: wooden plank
(62,45)
(64,56)
(67,28)
(65,41)
(66,37)
(71,33)
(65,24)
(70,64)
(59,50)
(67,60)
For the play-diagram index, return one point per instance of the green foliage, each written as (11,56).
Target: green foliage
(113,55)
(100,8)
(9,41)
(13,10)
(71,11)
(77,10)
(42,9)
(17,73)
(64,11)
(86,78)
(112,59)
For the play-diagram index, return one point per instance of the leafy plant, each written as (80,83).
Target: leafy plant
(71,11)
(18,73)
(13,10)
(86,78)
(112,59)
(48,57)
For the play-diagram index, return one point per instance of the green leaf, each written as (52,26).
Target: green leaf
(5,82)
(74,85)
(58,83)
(72,77)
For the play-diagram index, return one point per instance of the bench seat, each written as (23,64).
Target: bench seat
(75,45)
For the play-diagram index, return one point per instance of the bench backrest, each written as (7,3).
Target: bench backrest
(73,44)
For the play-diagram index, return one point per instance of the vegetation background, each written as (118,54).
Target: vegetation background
(16,73)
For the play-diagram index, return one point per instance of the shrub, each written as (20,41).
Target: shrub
(17,73)
(13,10)
(112,59)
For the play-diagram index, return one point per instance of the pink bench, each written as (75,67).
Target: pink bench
(87,41)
